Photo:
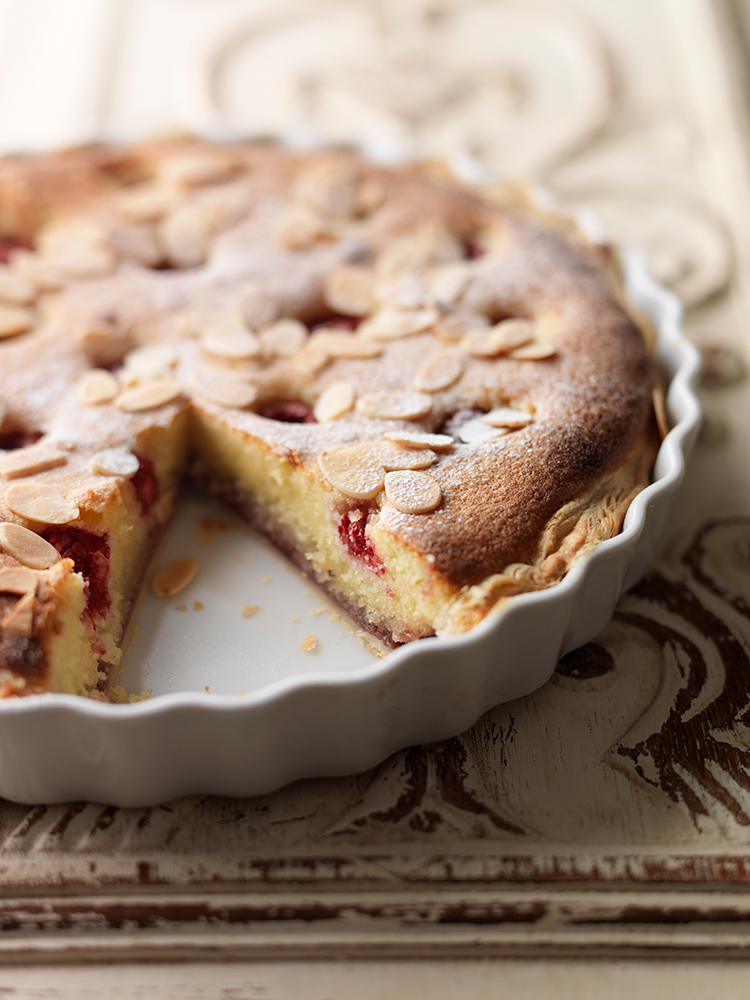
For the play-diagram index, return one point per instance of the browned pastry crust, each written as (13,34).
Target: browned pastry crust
(223,293)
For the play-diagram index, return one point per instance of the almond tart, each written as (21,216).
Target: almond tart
(429,398)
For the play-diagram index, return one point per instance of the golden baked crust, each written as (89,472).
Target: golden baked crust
(222,293)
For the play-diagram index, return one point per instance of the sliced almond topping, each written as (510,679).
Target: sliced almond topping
(148,396)
(310,361)
(27,547)
(406,291)
(115,462)
(537,351)
(453,326)
(392,324)
(234,344)
(505,416)
(196,168)
(476,431)
(148,362)
(412,492)
(185,233)
(41,273)
(417,439)
(145,202)
(345,345)
(299,228)
(439,372)
(137,243)
(329,188)
(349,290)
(20,619)
(40,502)
(14,320)
(18,580)
(29,461)
(96,386)
(258,306)
(395,405)
(352,472)
(309,643)
(335,400)
(393,458)
(225,388)
(86,261)
(284,338)
(15,289)
(500,339)
(105,339)
(448,283)
(174,577)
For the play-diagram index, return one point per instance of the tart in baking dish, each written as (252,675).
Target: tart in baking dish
(430,400)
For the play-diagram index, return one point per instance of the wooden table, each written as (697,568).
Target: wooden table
(594,838)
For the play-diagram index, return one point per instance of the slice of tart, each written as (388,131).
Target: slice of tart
(428,399)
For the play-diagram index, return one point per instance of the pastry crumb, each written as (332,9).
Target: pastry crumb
(250,609)
(318,611)
(237,556)
(210,527)
(295,618)
(206,687)
(309,643)
(180,607)
(198,605)
(265,579)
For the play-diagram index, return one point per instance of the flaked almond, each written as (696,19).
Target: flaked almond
(138,243)
(20,619)
(309,643)
(257,305)
(299,228)
(439,372)
(148,362)
(455,325)
(194,169)
(352,472)
(41,273)
(28,461)
(96,386)
(345,345)
(105,338)
(448,283)
(185,234)
(145,202)
(335,400)
(225,388)
(14,320)
(405,291)
(392,324)
(418,440)
(395,405)
(27,547)
(393,458)
(412,492)
(174,577)
(148,396)
(233,344)
(283,338)
(500,339)
(115,462)
(85,261)
(15,289)
(310,361)
(538,351)
(40,502)
(477,431)
(329,188)
(349,291)
(506,416)
(18,580)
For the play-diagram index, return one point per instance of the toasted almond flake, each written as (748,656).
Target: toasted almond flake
(330,188)
(476,431)
(537,351)
(412,492)
(417,439)
(96,386)
(405,291)
(505,416)
(299,228)
(439,372)
(85,261)
(146,202)
(14,320)
(393,458)
(309,643)
(250,609)
(15,289)
(18,581)
(148,362)
(345,345)
(392,324)
(172,578)
(453,326)
(448,283)
(395,405)
(20,619)
(349,290)
(196,168)
(138,243)
(225,388)
(258,306)
(27,547)
(310,361)
(148,396)
(29,266)
(29,461)
(335,400)
(185,233)
(40,502)
(352,472)
(233,344)
(502,338)
(283,339)
(115,462)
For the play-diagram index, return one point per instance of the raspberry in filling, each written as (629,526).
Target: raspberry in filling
(90,554)
(290,413)
(145,484)
(8,245)
(352,534)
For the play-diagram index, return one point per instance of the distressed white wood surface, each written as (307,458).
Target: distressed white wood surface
(609,813)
